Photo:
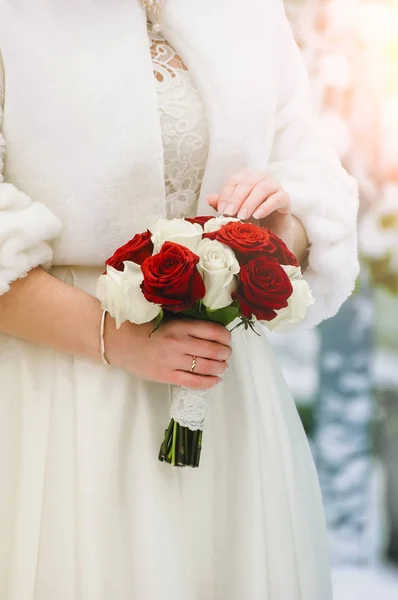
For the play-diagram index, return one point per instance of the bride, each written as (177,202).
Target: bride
(110,123)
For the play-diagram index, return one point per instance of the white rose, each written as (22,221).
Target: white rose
(216,223)
(218,267)
(298,303)
(176,230)
(295,273)
(120,294)
(110,294)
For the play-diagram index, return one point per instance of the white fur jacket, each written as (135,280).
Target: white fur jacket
(83,169)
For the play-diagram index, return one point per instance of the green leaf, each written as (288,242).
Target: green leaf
(158,321)
(223,316)
(193,313)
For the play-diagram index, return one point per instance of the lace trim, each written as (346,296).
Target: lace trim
(184,129)
(188,407)
(164,58)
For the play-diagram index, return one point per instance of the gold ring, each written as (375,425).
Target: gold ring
(193,366)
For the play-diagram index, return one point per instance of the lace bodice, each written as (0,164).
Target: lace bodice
(184,128)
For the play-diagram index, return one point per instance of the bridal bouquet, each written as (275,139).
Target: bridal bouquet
(213,268)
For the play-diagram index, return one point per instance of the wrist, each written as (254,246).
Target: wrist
(123,344)
(87,336)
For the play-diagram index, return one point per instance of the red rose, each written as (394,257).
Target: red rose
(136,250)
(200,220)
(245,239)
(263,288)
(280,251)
(171,278)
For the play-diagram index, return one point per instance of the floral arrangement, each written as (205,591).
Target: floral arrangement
(212,268)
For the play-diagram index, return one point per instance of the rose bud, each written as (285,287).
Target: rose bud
(136,250)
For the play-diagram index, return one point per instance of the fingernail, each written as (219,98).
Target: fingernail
(221,208)
(230,209)
(258,214)
(242,214)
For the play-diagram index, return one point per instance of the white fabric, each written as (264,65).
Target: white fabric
(323,196)
(88,513)
(86,510)
(85,139)
(25,226)
(189,407)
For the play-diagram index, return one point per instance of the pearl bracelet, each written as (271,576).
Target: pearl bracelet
(102,339)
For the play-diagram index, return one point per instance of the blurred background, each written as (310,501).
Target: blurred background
(344,375)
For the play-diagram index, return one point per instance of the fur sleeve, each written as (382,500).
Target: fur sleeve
(26,227)
(324,197)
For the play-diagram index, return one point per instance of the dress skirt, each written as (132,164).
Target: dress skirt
(87,512)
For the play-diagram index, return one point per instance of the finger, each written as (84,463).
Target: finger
(204,366)
(208,350)
(194,382)
(237,198)
(224,196)
(280,201)
(209,332)
(182,330)
(248,177)
(259,194)
(212,200)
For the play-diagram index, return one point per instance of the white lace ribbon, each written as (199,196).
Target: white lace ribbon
(188,407)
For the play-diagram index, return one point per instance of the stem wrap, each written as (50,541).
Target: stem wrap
(188,407)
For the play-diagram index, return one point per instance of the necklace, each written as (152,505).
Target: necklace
(155,8)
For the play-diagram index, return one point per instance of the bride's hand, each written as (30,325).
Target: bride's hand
(166,356)
(252,195)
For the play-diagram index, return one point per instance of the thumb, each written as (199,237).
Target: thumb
(212,200)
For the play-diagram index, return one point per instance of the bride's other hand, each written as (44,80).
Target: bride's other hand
(252,195)
(166,355)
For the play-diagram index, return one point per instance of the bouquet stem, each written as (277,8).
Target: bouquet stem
(182,444)
(181,447)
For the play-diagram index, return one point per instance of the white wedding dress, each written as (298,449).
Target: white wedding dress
(87,512)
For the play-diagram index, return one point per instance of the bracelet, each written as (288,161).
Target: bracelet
(102,340)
